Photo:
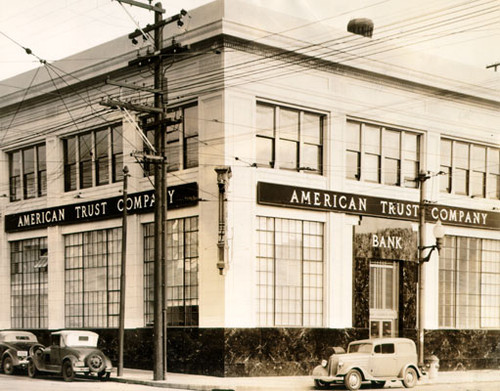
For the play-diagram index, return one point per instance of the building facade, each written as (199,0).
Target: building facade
(307,157)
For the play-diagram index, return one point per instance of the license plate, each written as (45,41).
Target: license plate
(22,353)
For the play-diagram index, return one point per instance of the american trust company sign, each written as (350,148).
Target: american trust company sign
(143,202)
(315,199)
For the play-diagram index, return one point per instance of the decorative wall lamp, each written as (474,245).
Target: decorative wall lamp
(439,235)
(223,176)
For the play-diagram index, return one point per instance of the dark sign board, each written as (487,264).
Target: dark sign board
(382,239)
(315,199)
(177,197)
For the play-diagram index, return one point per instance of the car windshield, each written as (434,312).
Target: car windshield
(360,348)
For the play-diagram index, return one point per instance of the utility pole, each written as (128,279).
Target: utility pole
(422,177)
(159,126)
(121,333)
(159,356)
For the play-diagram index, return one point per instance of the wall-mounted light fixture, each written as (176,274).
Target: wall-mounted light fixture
(223,175)
(439,235)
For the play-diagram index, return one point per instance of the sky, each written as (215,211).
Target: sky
(467,31)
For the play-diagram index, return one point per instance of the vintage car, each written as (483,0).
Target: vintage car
(71,352)
(15,347)
(376,360)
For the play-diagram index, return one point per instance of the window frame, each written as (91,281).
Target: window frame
(274,272)
(382,154)
(461,307)
(178,140)
(182,310)
(87,255)
(19,187)
(277,138)
(487,170)
(32,313)
(85,173)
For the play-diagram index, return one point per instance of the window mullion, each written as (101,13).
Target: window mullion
(77,162)
(277,154)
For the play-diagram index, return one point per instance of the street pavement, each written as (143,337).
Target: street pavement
(282,383)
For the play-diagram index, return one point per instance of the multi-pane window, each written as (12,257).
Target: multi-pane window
(28,173)
(469,283)
(289,272)
(29,298)
(289,138)
(382,154)
(383,285)
(182,272)
(470,169)
(92,278)
(94,158)
(181,139)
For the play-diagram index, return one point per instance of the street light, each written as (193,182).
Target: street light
(438,234)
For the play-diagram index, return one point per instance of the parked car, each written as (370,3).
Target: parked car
(15,347)
(71,352)
(376,360)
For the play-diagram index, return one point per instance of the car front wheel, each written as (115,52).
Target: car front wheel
(410,378)
(8,366)
(67,371)
(32,372)
(353,380)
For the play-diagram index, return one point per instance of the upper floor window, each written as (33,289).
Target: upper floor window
(471,169)
(93,158)
(181,139)
(289,139)
(382,154)
(28,173)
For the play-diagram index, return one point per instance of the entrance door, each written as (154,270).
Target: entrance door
(384,295)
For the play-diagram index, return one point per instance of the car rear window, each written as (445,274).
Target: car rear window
(83,338)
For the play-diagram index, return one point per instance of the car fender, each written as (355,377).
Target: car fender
(345,370)
(415,367)
(12,354)
(70,357)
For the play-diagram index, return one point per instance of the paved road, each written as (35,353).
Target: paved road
(393,386)
(46,383)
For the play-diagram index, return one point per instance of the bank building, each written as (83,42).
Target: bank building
(307,171)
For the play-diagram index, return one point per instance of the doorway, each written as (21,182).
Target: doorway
(384,294)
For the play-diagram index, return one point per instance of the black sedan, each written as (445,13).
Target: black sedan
(15,348)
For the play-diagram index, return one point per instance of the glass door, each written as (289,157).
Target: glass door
(384,295)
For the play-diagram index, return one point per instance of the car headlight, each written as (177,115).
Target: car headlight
(324,363)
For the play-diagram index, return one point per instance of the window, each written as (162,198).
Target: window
(381,154)
(28,173)
(29,298)
(471,169)
(383,285)
(469,283)
(94,158)
(182,272)
(289,272)
(181,139)
(92,278)
(289,139)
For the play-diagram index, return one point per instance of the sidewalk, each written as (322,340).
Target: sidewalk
(276,383)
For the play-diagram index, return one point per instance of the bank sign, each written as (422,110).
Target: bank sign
(177,197)
(307,198)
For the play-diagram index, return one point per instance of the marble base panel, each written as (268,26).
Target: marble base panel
(281,351)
